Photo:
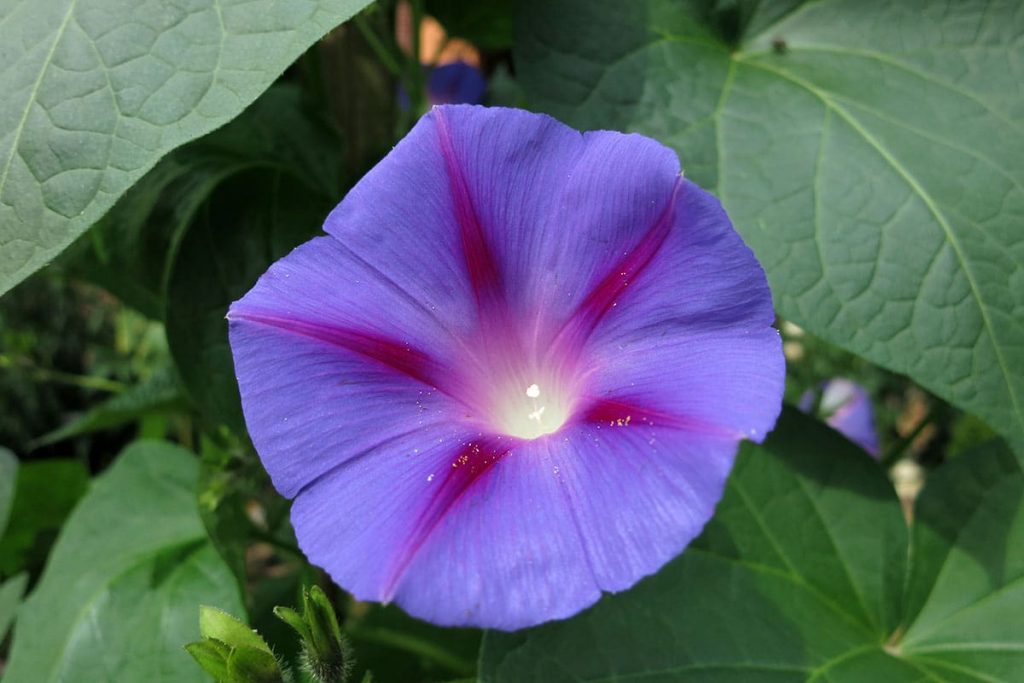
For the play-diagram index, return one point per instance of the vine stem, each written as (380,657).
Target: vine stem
(47,375)
(378,47)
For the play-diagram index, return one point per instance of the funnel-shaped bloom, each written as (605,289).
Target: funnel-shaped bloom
(513,375)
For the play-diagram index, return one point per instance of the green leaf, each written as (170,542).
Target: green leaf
(11,591)
(965,599)
(868,151)
(157,394)
(292,618)
(46,492)
(503,90)
(251,221)
(800,577)
(212,656)
(96,91)
(131,249)
(128,250)
(252,665)
(8,478)
(265,183)
(122,587)
(231,651)
(217,624)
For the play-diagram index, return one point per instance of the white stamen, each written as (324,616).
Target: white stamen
(534,415)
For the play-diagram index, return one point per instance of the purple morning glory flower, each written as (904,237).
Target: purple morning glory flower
(847,407)
(456,83)
(513,375)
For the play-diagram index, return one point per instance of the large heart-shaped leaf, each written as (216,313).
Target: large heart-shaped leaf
(869,151)
(130,250)
(96,91)
(964,607)
(45,493)
(121,592)
(801,576)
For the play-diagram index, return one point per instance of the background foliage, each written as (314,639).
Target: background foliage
(156,157)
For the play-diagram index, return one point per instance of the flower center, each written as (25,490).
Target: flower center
(532,411)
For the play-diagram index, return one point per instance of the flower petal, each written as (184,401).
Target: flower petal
(726,385)
(537,212)
(324,375)
(364,521)
(498,549)
(560,520)
(536,535)
(691,336)
(639,493)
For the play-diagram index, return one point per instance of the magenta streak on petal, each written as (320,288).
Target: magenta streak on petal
(471,462)
(616,413)
(389,353)
(606,293)
(403,293)
(481,265)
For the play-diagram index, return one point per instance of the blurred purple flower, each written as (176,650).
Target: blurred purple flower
(452,83)
(456,83)
(513,375)
(846,406)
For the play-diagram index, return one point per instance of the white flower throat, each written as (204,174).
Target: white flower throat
(532,413)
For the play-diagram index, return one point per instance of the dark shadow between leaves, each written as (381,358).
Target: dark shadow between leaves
(817,452)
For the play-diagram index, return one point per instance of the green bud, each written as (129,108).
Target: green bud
(326,654)
(323,622)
